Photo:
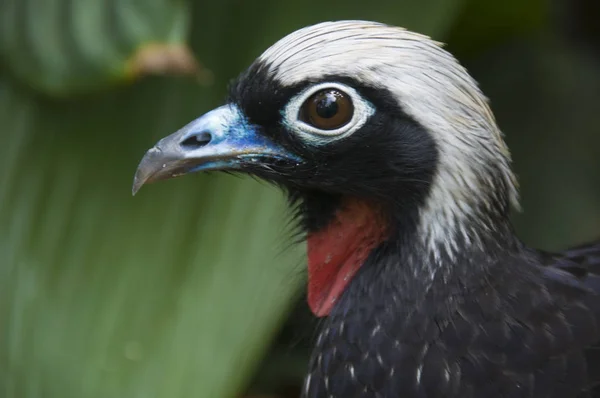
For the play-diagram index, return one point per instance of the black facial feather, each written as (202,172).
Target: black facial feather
(260,97)
(391,159)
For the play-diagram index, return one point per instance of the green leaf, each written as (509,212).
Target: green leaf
(170,294)
(63,47)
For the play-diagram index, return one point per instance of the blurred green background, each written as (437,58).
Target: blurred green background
(191,289)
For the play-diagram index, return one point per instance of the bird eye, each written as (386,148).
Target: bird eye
(327,109)
(326,112)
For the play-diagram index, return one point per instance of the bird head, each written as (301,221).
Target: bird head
(377,134)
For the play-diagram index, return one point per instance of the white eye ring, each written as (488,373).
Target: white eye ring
(363,109)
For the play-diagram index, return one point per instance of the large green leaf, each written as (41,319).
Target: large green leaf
(170,294)
(64,46)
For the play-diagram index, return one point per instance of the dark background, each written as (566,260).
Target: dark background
(190,288)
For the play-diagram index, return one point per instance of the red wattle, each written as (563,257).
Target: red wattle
(336,252)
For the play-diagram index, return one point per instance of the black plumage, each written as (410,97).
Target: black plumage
(526,325)
(436,295)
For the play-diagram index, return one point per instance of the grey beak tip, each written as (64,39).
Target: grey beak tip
(145,169)
(138,182)
(135,188)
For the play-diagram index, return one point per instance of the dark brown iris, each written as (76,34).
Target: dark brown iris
(327,109)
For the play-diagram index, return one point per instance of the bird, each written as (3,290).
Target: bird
(402,186)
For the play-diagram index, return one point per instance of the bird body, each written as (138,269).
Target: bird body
(523,326)
(401,182)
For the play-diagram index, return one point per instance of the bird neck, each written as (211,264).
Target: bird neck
(411,273)
(443,242)
(422,263)
(371,244)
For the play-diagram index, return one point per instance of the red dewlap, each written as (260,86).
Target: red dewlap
(336,252)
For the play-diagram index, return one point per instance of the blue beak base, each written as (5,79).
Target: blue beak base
(221,139)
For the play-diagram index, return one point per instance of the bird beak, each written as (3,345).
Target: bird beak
(221,139)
